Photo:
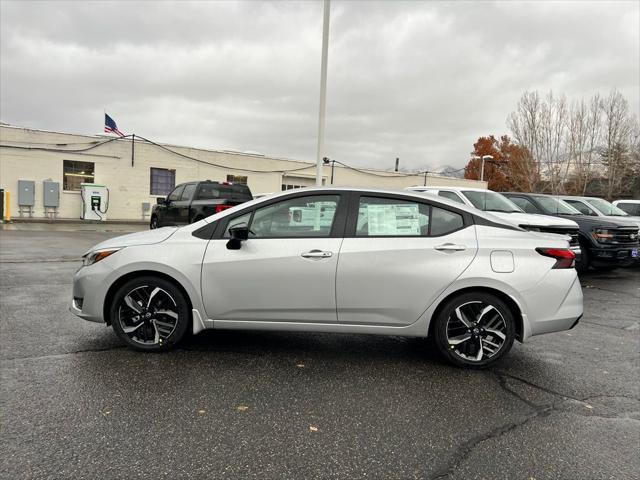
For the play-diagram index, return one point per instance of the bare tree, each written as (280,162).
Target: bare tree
(540,125)
(583,136)
(524,124)
(618,138)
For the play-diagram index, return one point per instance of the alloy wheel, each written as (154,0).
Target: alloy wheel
(476,331)
(148,315)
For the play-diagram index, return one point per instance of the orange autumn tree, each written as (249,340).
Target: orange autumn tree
(512,167)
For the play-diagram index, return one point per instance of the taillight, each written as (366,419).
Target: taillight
(565,258)
(221,207)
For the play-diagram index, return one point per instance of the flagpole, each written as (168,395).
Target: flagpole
(323,92)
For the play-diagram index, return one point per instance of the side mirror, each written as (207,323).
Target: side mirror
(161,201)
(238,235)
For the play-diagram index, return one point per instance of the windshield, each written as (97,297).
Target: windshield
(606,208)
(491,201)
(555,206)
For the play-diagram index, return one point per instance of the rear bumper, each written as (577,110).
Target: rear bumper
(566,315)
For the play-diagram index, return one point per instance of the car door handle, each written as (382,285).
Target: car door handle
(316,254)
(450,247)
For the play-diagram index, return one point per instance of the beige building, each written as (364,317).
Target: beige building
(138,173)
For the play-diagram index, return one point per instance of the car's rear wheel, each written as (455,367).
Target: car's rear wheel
(150,314)
(474,329)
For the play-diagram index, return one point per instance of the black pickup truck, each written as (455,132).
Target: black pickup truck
(605,243)
(193,201)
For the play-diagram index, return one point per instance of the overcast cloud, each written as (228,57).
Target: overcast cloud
(418,80)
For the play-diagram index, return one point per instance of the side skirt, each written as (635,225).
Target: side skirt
(418,329)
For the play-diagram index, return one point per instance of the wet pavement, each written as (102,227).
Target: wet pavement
(76,404)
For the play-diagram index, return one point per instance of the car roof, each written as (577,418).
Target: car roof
(578,197)
(550,195)
(406,193)
(447,187)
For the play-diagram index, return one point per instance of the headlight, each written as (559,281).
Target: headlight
(602,235)
(93,257)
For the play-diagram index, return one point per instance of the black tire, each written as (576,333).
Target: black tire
(582,266)
(154,222)
(498,318)
(165,319)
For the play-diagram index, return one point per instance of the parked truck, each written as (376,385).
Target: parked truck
(192,201)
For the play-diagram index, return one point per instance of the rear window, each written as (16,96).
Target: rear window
(214,191)
(630,208)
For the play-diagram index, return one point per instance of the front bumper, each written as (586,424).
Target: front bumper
(89,290)
(622,256)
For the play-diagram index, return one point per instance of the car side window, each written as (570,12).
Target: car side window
(390,217)
(444,221)
(525,204)
(187,193)
(242,220)
(582,208)
(630,208)
(451,196)
(310,216)
(175,195)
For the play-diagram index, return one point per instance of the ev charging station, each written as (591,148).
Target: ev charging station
(95,201)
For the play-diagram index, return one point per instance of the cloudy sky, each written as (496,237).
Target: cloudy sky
(417,80)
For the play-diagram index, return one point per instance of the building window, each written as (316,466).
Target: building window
(291,187)
(75,173)
(242,179)
(162,181)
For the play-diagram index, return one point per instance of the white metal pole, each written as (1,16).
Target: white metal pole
(323,92)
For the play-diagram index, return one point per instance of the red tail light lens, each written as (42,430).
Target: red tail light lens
(565,258)
(221,207)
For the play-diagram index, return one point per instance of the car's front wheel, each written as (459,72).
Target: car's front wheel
(474,329)
(149,314)
(154,222)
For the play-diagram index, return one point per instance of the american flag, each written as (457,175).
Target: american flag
(110,126)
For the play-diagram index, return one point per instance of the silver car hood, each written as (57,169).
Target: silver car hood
(139,238)
(534,219)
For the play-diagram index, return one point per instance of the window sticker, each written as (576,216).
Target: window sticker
(400,219)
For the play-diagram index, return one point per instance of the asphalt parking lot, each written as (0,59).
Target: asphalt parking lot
(76,404)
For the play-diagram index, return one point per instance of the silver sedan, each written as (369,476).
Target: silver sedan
(336,260)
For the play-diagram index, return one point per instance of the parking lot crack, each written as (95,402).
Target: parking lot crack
(466,448)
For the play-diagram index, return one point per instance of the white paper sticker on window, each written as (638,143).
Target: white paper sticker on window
(401,219)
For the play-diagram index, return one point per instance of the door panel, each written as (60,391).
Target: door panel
(392,281)
(181,207)
(269,279)
(286,270)
(171,210)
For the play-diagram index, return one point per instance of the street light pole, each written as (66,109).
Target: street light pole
(323,92)
(487,157)
(326,161)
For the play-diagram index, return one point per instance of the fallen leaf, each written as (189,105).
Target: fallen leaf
(242,408)
(589,407)
(313,429)
(201,412)
(300,365)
